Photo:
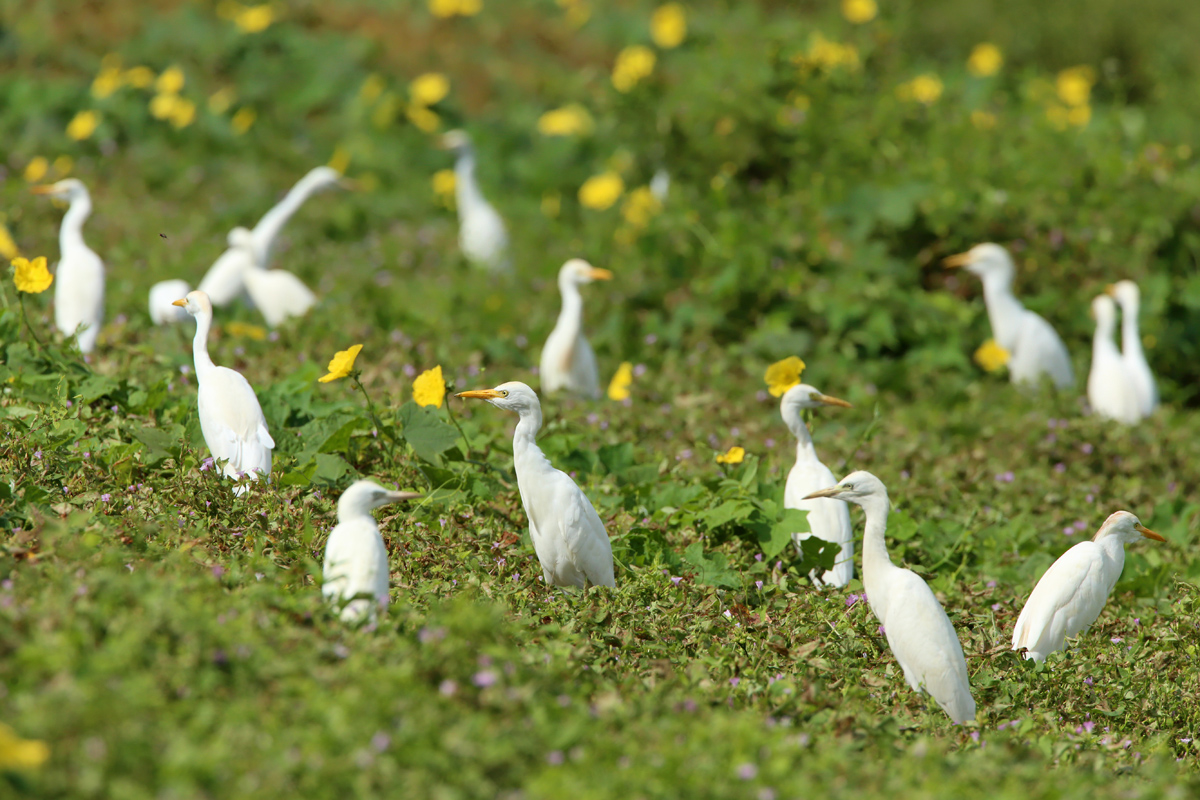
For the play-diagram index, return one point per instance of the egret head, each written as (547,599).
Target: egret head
(1104,311)
(859,488)
(362,496)
(195,303)
(1127,527)
(984,260)
(326,177)
(456,141)
(69,189)
(1124,292)
(577,272)
(511,396)
(240,237)
(798,398)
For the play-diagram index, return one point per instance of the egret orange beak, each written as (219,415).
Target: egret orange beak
(1149,534)
(45,188)
(598,274)
(957,260)
(397,496)
(831,401)
(481,394)
(1111,290)
(832,491)
(180,303)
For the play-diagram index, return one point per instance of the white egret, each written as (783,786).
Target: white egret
(1072,593)
(223,281)
(1129,298)
(917,628)
(568,536)
(79,277)
(1034,347)
(231,419)
(482,236)
(1111,390)
(356,559)
(828,519)
(278,294)
(163,294)
(567,359)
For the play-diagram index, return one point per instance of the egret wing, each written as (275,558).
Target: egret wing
(1066,600)
(587,543)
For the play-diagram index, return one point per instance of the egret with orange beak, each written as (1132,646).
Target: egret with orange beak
(79,276)
(567,359)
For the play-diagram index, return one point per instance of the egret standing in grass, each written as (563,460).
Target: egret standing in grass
(79,277)
(356,559)
(828,519)
(1034,347)
(481,233)
(1129,298)
(917,628)
(567,359)
(568,536)
(231,419)
(1111,389)
(1072,593)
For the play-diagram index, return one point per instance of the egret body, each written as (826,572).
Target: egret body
(1129,298)
(482,236)
(1111,390)
(223,282)
(79,277)
(567,359)
(163,294)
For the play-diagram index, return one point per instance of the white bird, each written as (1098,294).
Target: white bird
(1034,347)
(231,419)
(356,559)
(1072,593)
(1129,298)
(223,281)
(828,519)
(568,536)
(1111,390)
(278,294)
(163,295)
(482,236)
(660,184)
(917,628)
(79,277)
(567,359)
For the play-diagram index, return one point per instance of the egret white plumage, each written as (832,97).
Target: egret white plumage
(1129,298)
(356,559)
(567,359)
(1111,390)
(79,276)
(163,295)
(918,631)
(1072,593)
(568,536)
(223,281)
(482,236)
(1034,347)
(278,294)
(231,419)
(828,519)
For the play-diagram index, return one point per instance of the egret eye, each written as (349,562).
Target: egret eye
(504,393)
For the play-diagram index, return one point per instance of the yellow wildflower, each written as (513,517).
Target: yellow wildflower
(255,332)
(551,204)
(735,455)
(450,8)
(859,11)
(429,389)
(340,160)
(570,120)
(35,170)
(924,89)
(983,120)
(469,8)
(991,356)
(668,26)
(423,118)
(254,19)
(1079,116)
(342,364)
(639,206)
(428,89)
(985,60)
(633,63)
(220,100)
(827,55)
(182,113)
(1074,85)
(161,105)
(783,375)
(170,82)
(139,77)
(601,191)
(8,248)
(618,387)
(32,276)
(17,753)
(243,119)
(444,182)
(107,81)
(83,125)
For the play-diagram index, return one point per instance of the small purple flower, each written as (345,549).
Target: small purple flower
(639,370)
(991,584)
(675,579)
(996,606)
(447,688)
(37,454)
(852,598)
(554,757)
(762,396)
(905,474)
(484,678)
(1005,477)
(409,370)
(104,498)
(1069,531)
(521,341)
(759,585)
(770,443)
(206,465)
(1087,726)
(1086,448)
(882,631)
(975,736)
(218,570)
(650,338)
(1060,467)
(1091,498)
(684,454)
(747,772)
(1117,640)
(758,556)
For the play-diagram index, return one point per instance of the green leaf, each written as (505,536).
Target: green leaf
(779,536)
(711,570)
(729,511)
(160,444)
(426,433)
(616,457)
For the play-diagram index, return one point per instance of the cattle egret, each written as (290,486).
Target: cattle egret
(223,281)
(917,628)
(231,419)
(1034,347)
(567,359)
(79,277)
(481,233)
(163,294)
(278,294)
(1129,298)
(1111,389)
(1072,593)
(568,536)
(356,559)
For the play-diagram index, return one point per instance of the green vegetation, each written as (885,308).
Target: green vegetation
(166,639)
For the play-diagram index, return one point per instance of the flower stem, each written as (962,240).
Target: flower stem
(25,316)
(461,432)
(375,417)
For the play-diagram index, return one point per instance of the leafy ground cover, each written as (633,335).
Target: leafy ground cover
(165,639)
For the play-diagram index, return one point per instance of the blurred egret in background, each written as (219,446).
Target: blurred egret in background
(163,295)
(79,276)
(567,359)
(481,233)
(1111,390)
(1129,298)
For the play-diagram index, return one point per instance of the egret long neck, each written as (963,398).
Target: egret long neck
(805,451)
(570,318)
(466,190)
(1131,340)
(1114,558)
(1102,340)
(204,363)
(876,561)
(273,221)
(70,234)
(1003,309)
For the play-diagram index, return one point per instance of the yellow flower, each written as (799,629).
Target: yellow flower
(925,89)
(182,113)
(341,364)
(107,81)
(551,204)
(450,8)
(991,356)
(633,63)
(17,753)
(826,55)
(255,332)
(985,60)
(983,120)
(35,170)
(429,389)
(444,182)
(170,82)
(1079,116)
(83,125)
(668,26)
(783,375)
(1074,85)
(428,89)
(469,8)
(139,77)
(735,455)
(243,119)
(254,18)
(32,276)
(618,387)
(161,105)
(639,206)
(578,11)
(340,160)
(569,120)
(8,248)
(859,11)
(423,118)
(601,191)
(220,100)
